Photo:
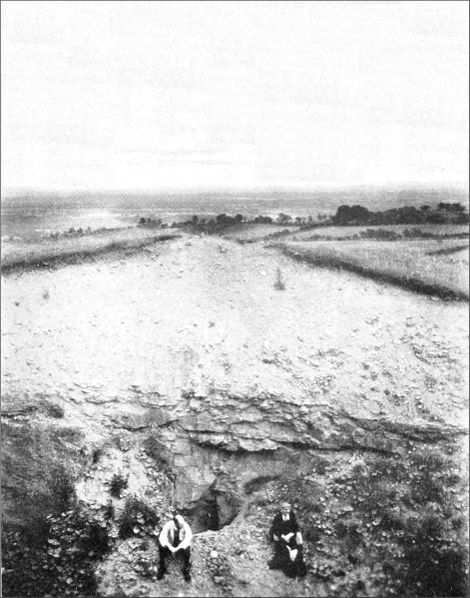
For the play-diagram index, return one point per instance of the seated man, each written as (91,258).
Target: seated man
(175,539)
(288,545)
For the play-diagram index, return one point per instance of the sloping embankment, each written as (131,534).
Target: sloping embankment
(77,250)
(343,262)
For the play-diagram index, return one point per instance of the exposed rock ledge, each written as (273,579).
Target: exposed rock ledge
(210,447)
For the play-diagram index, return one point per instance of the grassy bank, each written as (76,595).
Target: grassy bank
(424,267)
(391,232)
(25,256)
(249,232)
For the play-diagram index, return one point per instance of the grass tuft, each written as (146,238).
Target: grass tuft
(279,283)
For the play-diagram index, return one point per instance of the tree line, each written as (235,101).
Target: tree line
(443,213)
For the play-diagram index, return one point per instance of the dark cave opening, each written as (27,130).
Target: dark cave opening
(214,510)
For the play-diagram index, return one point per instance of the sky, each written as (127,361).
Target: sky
(201,95)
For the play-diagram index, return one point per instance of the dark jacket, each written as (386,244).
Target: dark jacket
(280,527)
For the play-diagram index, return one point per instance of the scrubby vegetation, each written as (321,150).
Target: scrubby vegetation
(53,410)
(60,560)
(137,519)
(58,556)
(151,222)
(390,232)
(279,283)
(382,525)
(117,484)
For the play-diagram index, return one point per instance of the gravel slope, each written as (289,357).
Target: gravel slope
(203,313)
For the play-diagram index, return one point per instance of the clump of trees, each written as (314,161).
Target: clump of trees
(224,220)
(151,222)
(444,213)
(351,214)
(210,225)
(457,208)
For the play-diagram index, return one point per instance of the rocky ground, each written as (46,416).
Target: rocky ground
(205,372)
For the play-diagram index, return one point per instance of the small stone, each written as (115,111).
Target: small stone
(214,554)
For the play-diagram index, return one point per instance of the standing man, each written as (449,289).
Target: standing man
(288,543)
(175,539)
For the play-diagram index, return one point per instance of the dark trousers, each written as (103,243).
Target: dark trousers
(183,553)
(281,560)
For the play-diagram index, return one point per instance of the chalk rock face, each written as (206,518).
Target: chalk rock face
(210,447)
(220,443)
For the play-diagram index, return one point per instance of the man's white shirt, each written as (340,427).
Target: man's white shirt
(167,535)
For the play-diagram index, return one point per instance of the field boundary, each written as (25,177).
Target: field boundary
(448,250)
(408,283)
(129,247)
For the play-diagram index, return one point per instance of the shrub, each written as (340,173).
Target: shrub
(62,563)
(320,466)
(284,218)
(433,570)
(279,284)
(392,509)
(137,519)
(55,411)
(62,488)
(118,483)
(380,233)
(52,409)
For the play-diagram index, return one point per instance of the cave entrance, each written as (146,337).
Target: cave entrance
(214,510)
(205,515)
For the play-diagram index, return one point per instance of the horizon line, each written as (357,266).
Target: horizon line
(461,186)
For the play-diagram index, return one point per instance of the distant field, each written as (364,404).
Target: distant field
(16,255)
(255,231)
(345,232)
(252,232)
(433,267)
